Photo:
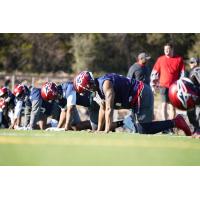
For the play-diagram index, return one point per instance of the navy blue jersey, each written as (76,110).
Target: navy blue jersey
(11,101)
(124,88)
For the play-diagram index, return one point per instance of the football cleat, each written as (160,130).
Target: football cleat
(180,123)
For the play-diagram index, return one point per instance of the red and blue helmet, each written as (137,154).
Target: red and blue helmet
(19,90)
(183,94)
(49,91)
(4,91)
(83,82)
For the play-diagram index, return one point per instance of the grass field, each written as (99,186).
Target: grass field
(23,148)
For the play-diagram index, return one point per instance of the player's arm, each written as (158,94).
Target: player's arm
(71,103)
(62,118)
(68,117)
(101,117)
(109,101)
(17,111)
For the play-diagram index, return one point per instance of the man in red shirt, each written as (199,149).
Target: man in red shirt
(167,69)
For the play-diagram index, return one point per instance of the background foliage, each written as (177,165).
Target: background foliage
(98,52)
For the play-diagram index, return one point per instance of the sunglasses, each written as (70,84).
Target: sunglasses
(192,62)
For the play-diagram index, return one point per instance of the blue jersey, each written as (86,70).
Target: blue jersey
(125,89)
(35,95)
(32,95)
(67,89)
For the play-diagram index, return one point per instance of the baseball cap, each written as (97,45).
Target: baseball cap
(193,60)
(143,55)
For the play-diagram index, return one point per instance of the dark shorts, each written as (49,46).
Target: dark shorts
(164,94)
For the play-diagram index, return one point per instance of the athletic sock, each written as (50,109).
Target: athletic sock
(154,127)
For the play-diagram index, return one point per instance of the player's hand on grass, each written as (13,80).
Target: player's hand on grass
(11,126)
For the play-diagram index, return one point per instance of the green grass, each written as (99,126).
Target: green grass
(26,148)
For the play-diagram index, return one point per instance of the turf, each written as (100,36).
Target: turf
(40,148)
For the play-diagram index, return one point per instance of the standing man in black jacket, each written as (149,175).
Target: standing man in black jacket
(140,71)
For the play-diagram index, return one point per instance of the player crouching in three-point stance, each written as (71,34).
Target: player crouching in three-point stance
(117,92)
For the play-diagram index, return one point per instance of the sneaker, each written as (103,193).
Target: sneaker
(180,123)
(129,124)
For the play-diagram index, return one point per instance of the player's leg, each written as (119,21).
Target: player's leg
(154,127)
(172,111)
(27,114)
(94,114)
(159,126)
(76,122)
(164,99)
(146,108)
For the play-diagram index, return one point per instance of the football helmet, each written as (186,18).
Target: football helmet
(49,91)
(4,91)
(83,82)
(19,90)
(183,94)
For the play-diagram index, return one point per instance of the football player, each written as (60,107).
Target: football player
(67,99)
(10,112)
(36,109)
(117,91)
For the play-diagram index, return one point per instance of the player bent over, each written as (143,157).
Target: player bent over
(10,113)
(118,92)
(67,98)
(36,110)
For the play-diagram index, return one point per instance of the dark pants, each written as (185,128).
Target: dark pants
(144,113)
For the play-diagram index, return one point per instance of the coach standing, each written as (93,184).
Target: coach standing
(139,70)
(167,69)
